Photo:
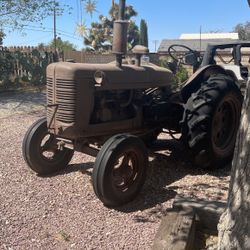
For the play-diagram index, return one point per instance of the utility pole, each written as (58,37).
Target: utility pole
(155,43)
(56,56)
(55,45)
(200,37)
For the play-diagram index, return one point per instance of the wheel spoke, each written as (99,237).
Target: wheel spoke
(125,172)
(47,141)
(46,146)
(125,161)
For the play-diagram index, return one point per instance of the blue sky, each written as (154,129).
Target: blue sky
(166,19)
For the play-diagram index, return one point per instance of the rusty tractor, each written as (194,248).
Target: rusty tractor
(114,111)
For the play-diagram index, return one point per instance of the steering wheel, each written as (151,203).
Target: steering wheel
(179,53)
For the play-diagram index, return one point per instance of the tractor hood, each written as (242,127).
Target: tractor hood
(114,77)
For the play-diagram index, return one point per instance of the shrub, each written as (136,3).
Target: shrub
(179,71)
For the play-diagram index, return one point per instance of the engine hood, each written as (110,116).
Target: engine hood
(127,74)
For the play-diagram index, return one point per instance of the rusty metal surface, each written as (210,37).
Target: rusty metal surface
(119,47)
(99,100)
(72,87)
(122,6)
(120,37)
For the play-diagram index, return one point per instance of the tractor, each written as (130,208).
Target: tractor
(114,111)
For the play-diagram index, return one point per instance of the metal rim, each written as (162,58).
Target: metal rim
(125,171)
(225,125)
(48,148)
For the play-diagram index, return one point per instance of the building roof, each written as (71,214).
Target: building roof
(230,35)
(194,44)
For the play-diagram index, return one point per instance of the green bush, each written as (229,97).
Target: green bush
(6,66)
(180,72)
(33,65)
(181,75)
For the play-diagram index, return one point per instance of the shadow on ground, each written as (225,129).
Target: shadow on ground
(84,168)
(166,166)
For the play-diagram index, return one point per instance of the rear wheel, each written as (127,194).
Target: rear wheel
(40,150)
(211,120)
(120,170)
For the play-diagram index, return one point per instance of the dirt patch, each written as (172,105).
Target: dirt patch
(62,211)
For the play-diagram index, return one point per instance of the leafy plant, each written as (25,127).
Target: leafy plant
(19,13)
(2,35)
(179,71)
(33,66)
(99,37)
(143,33)
(6,66)
(63,45)
(243,29)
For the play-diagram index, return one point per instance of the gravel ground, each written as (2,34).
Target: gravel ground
(15,103)
(62,211)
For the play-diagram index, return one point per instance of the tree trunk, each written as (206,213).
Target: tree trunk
(234,225)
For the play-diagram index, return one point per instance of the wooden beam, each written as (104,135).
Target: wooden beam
(176,232)
(208,212)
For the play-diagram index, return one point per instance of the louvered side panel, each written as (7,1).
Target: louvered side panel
(49,97)
(66,100)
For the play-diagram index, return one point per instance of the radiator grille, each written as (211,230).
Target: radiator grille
(49,97)
(66,98)
(64,95)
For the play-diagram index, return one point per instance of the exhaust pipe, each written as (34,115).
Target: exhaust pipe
(122,6)
(120,34)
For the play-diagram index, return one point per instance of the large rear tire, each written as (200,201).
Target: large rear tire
(120,170)
(40,150)
(211,120)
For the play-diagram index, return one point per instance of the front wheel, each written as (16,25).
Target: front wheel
(120,169)
(40,150)
(211,121)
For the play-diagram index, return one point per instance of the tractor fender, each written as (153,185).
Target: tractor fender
(201,75)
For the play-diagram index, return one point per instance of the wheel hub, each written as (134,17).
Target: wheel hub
(125,171)
(224,125)
(48,147)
